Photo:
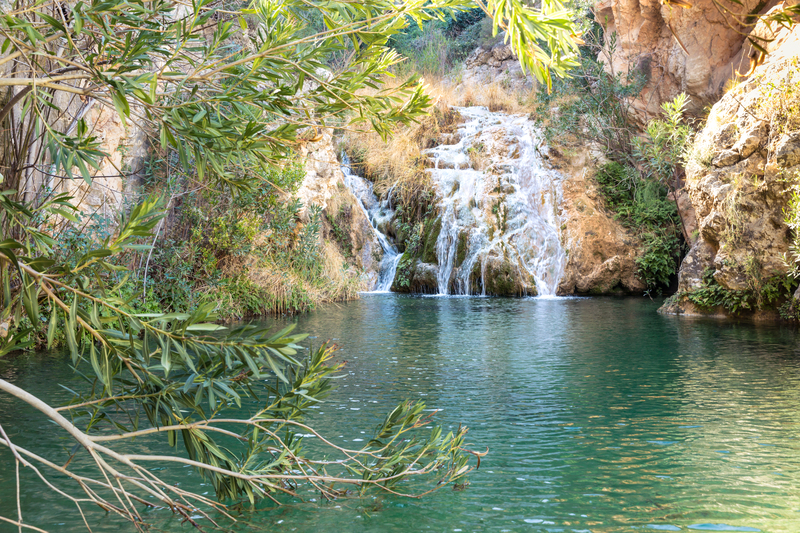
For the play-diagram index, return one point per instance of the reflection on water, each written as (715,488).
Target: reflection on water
(600,416)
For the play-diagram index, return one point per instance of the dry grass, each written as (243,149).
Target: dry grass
(256,287)
(399,162)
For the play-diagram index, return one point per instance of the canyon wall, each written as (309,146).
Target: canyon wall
(744,165)
(692,50)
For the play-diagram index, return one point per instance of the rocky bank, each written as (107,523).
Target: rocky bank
(744,165)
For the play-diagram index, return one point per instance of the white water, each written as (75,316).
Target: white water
(508,207)
(378,213)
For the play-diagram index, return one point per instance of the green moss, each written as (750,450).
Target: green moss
(433,227)
(461,249)
(501,280)
(404,274)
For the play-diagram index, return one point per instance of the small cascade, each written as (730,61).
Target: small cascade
(498,205)
(379,214)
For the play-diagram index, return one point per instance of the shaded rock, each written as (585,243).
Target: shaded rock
(502,51)
(647,34)
(725,158)
(787,152)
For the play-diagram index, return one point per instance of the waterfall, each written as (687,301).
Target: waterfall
(498,202)
(378,213)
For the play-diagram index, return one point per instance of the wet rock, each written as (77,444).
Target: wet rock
(501,278)
(414,276)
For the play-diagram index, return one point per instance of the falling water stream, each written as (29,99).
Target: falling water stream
(498,198)
(497,201)
(378,213)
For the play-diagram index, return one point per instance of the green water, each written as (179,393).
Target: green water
(600,416)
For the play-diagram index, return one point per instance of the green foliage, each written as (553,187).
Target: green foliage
(636,186)
(658,261)
(644,207)
(770,293)
(339,233)
(184,371)
(594,105)
(215,239)
(193,78)
(791,217)
(437,47)
(666,149)
(405,272)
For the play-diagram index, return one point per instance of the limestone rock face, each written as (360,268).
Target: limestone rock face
(127,149)
(678,50)
(495,64)
(739,179)
(601,254)
(344,221)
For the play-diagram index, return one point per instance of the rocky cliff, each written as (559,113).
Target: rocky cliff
(743,166)
(601,253)
(344,223)
(691,50)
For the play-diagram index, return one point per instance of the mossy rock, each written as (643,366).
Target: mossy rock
(461,248)
(501,280)
(404,275)
(415,276)
(433,227)
(504,279)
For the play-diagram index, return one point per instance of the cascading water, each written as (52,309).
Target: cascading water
(498,204)
(378,213)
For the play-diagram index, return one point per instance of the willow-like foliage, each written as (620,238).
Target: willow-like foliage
(232,89)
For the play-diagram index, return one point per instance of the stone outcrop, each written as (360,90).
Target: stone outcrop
(496,64)
(417,277)
(601,254)
(744,164)
(343,222)
(695,50)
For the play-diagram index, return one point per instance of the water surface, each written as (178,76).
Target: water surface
(600,416)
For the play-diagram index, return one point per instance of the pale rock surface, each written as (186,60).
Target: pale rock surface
(496,64)
(647,35)
(738,181)
(323,185)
